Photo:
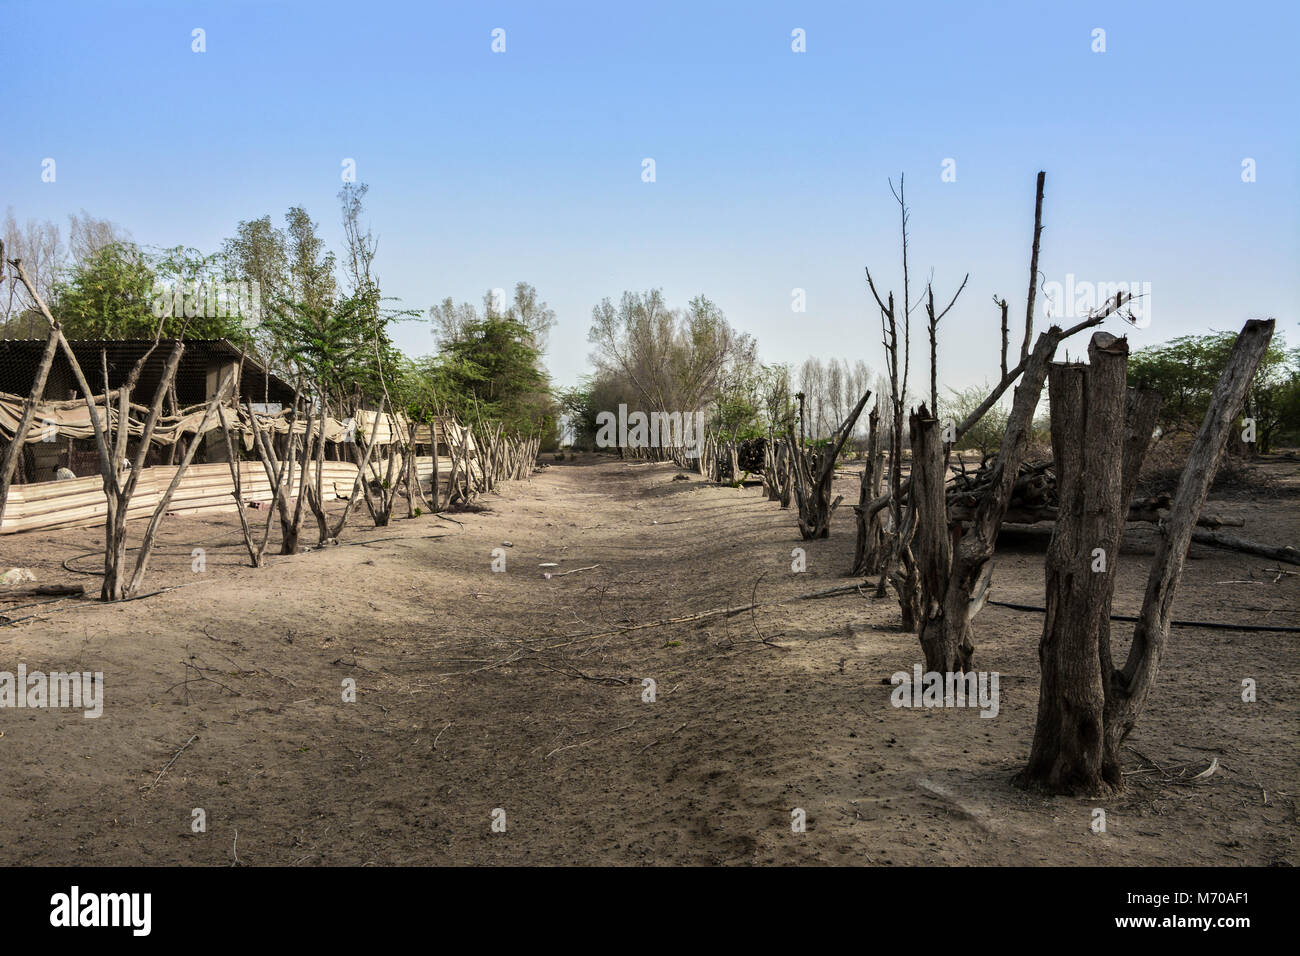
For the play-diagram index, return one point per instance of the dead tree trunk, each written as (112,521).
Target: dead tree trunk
(433,445)
(116,585)
(315,489)
(361,481)
(412,478)
(771,480)
(1087,409)
(1127,689)
(904,577)
(1141,409)
(264,445)
(288,532)
(932,539)
(176,410)
(813,474)
(460,467)
(294,531)
(106,464)
(972,560)
(151,531)
(783,471)
(236,470)
(392,479)
(869,549)
(1087,706)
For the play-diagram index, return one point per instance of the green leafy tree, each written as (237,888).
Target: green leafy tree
(119,291)
(986,434)
(109,295)
(193,290)
(258,255)
(493,371)
(1185,370)
(579,412)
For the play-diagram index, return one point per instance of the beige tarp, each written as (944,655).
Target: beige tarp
(71,419)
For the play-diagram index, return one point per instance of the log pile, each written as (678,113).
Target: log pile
(1034,497)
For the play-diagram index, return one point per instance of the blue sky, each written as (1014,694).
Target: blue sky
(771,166)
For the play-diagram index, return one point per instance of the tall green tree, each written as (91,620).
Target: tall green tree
(493,371)
(258,255)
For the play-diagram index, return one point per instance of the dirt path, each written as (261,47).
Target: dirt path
(478,690)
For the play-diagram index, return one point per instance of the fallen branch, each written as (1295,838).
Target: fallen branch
(591,740)
(175,756)
(1230,542)
(560,574)
(42,590)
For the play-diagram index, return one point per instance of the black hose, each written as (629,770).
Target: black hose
(1210,625)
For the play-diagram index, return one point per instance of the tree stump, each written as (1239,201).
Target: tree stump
(1087,706)
(1087,412)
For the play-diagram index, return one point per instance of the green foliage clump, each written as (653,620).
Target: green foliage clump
(492,371)
(120,291)
(985,436)
(1185,370)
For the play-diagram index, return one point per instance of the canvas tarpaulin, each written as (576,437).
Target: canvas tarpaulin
(71,419)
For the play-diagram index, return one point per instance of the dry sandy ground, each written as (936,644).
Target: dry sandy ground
(479,690)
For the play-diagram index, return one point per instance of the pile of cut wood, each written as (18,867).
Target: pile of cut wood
(1034,496)
(1034,499)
